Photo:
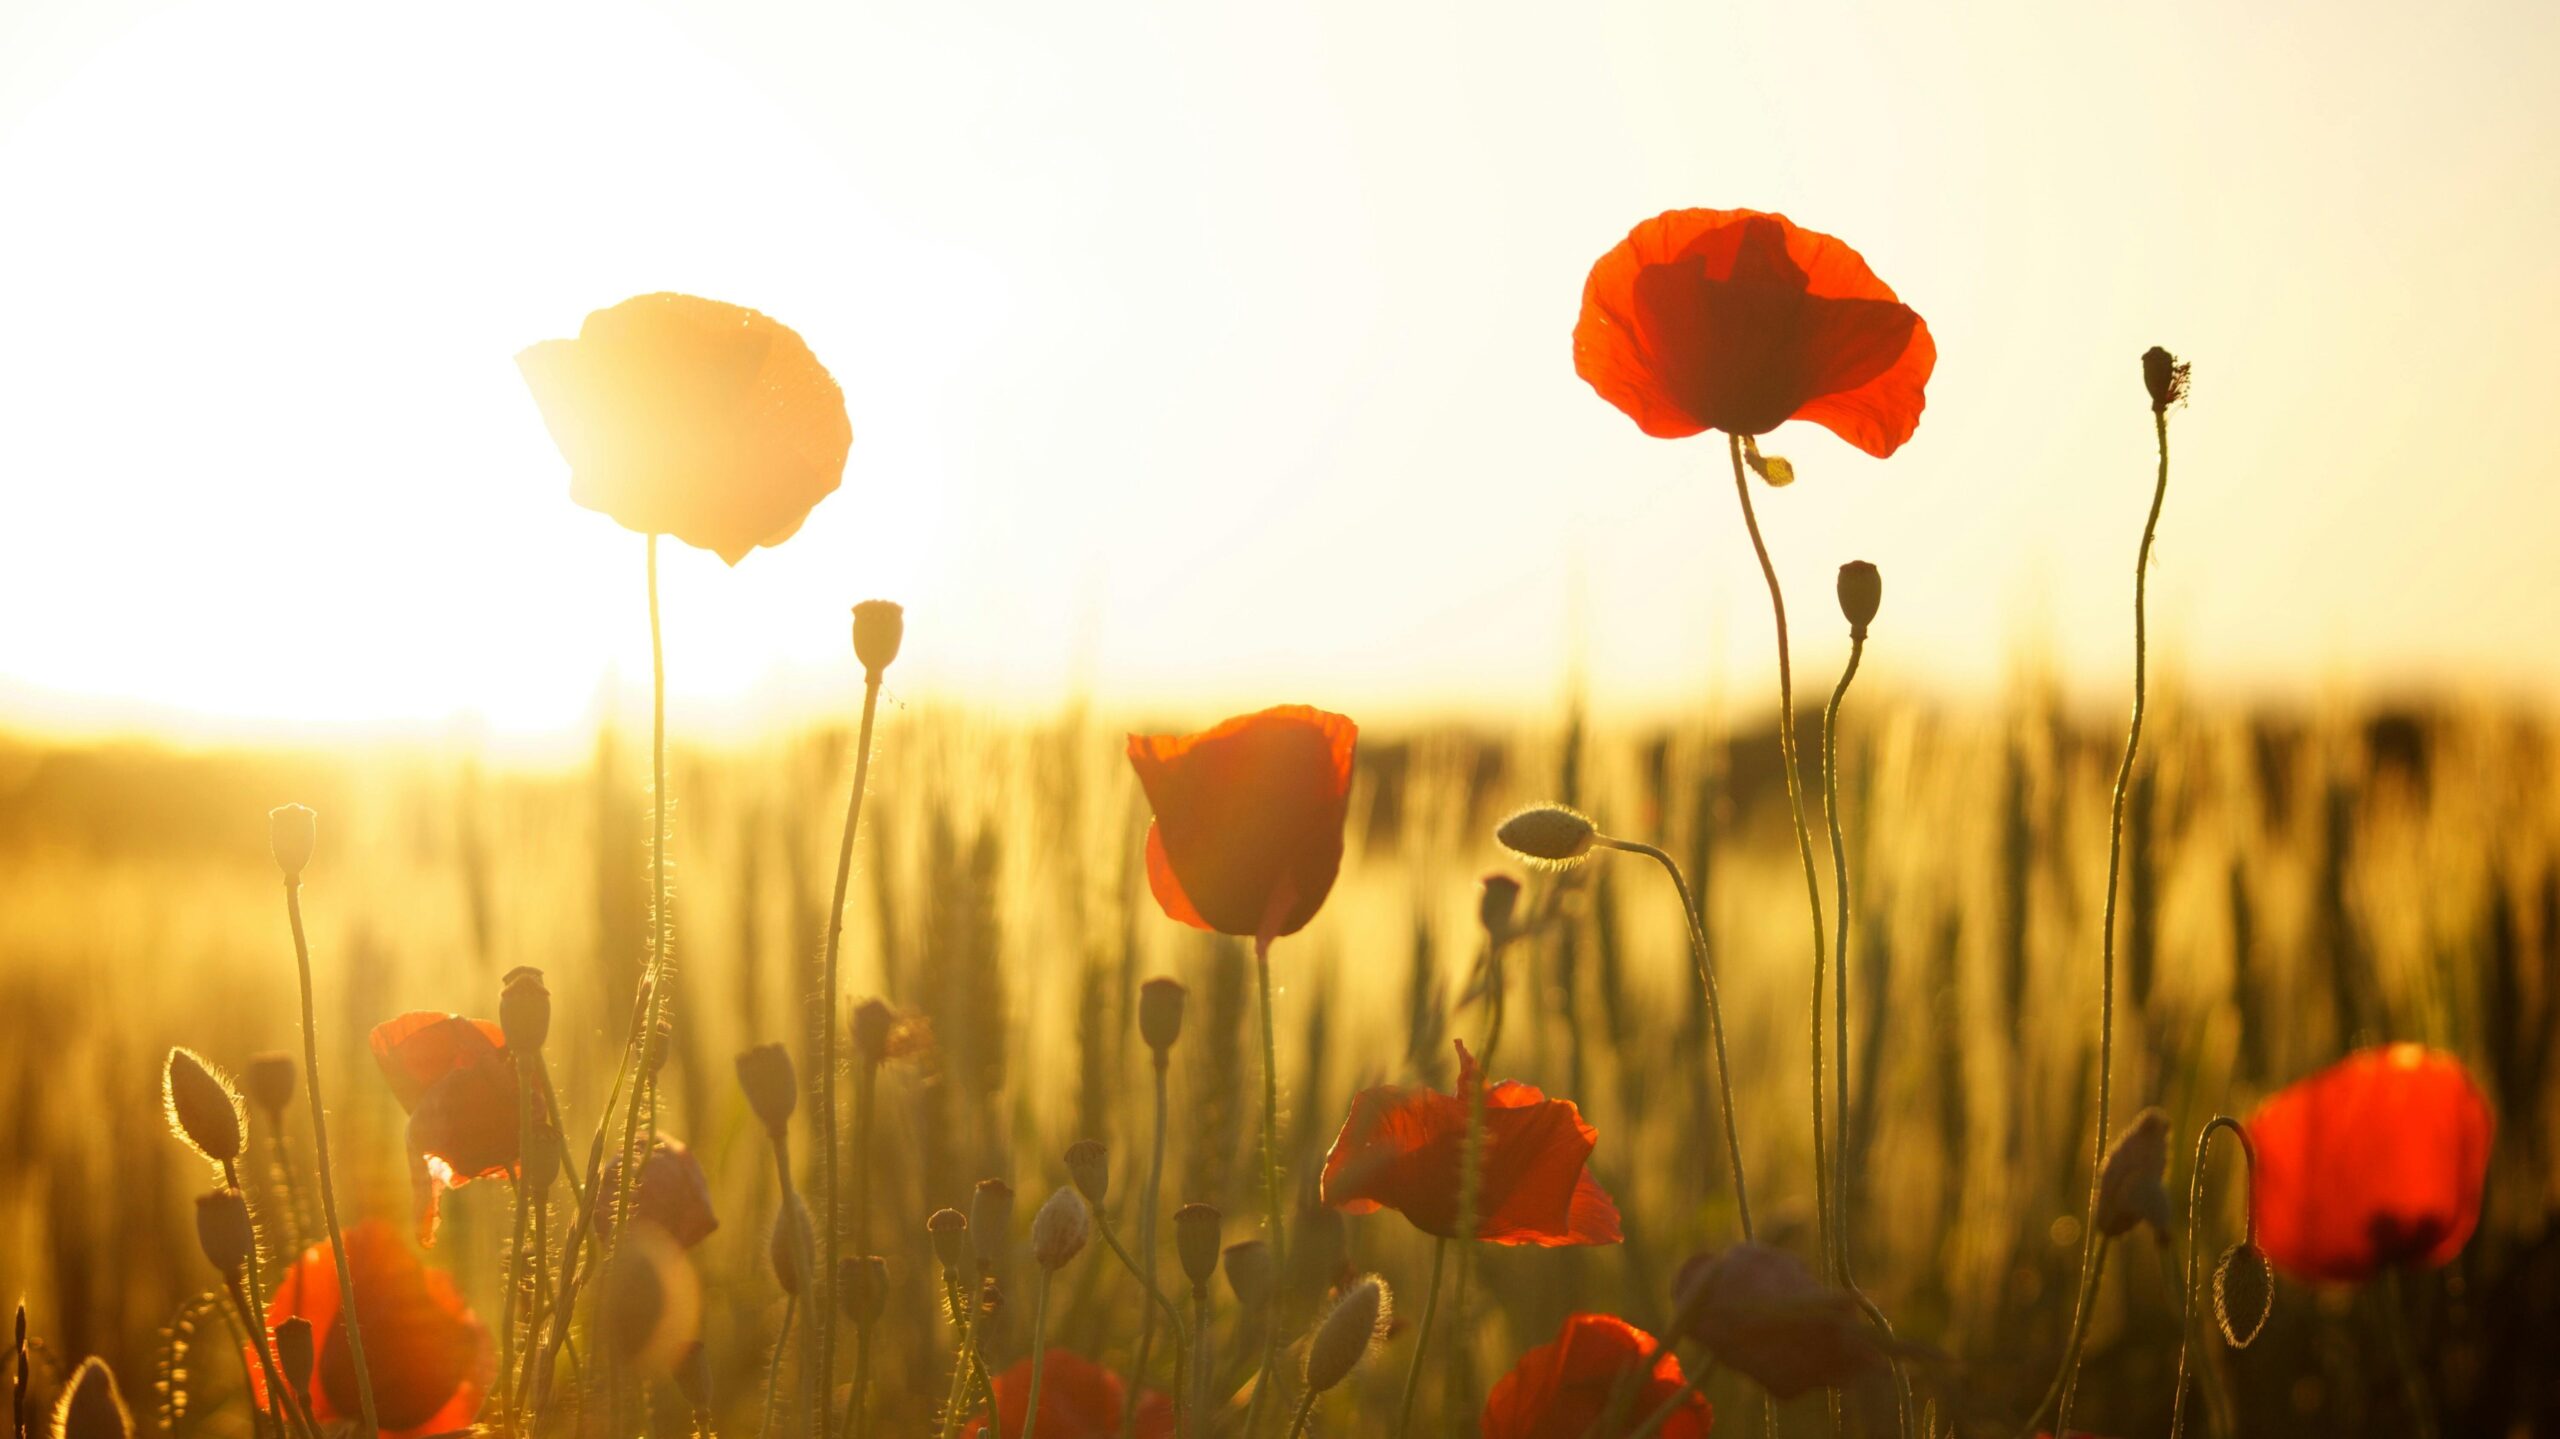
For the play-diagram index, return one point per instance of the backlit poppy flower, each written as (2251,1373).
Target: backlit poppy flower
(688,417)
(457,1081)
(673,1193)
(1563,1389)
(1738,321)
(1402,1145)
(2376,1161)
(1765,1315)
(1248,818)
(430,1358)
(1079,1399)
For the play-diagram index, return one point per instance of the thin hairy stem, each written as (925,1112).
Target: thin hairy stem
(1110,1237)
(1839,958)
(1147,1246)
(1270,1189)
(1421,1340)
(1039,1359)
(955,1397)
(644,1043)
(256,1293)
(1306,1410)
(2195,1251)
(773,1370)
(261,1342)
(320,1149)
(831,1168)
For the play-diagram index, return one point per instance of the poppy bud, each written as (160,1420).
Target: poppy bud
(1861,591)
(1195,1240)
(2165,376)
(1359,1319)
(1497,898)
(294,1353)
(1160,1014)
(524,1010)
(990,1219)
(202,1107)
(1249,1272)
(91,1407)
(950,1231)
(1059,1230)
(223,1232)
(862,1287)
(1549,834)
(291,832)
(873,1022)
(773,1089)
(2244,1294)
(789,1247)
(269,1079)
(1089,1165)
(878,628)
(2129,1188)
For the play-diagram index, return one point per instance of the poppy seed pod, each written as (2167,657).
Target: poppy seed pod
(862,1287)
(1359,1320)
(223,1232)
(879,627)
(292,831)
(772,1086)
(1089,1165)
(1248,1264)
(2165,376)
(990,1219)
(1497,901)
(1195,1241)
(1160,1014)
(950,1231)
(269,1081)
(2129,1187)
(203,1109)
(873,1022)
(1861,592)
(1060,1229)
(524,1010)
(294,1352)
(91,1407)
(1548,834)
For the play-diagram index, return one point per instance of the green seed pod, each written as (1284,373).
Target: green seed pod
(950,1231)
(223,1231)
(292,832)
(269,1080)
(772,1086)
(1861,593)
(1195,1240)
(879,628)
(1160,1014)
(524,1010)
(1060,1229)
(862,1287)
(1497,902)
(1249,1272)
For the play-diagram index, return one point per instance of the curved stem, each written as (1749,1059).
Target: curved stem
(256,1306)
(2195,1250)
(1306,1410)
(1270,1189)
(1039,1359)
(1804,836)
(1715,1010)
(1421,1340)
(1111,1238)
(280,1408)
(824,1292)
(1839,958)
(347,1312)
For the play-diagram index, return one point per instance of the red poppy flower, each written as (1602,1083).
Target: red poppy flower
(457,1081)
(1079,1399)
(430,1358)
(1402,1146)
(1562,1390)
(1248,830)
(1738,321)
(1765,1315)
(673,1194)
(2374,1162)
(691,418)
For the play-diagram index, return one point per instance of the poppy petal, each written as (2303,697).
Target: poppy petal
(1248,817)
(2376,1162)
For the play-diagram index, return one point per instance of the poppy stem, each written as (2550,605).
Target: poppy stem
(773,1370)
(1804,835)
(2067,1383)
(2404,1353)
(278,1403)
(1181,1342)
(1306,1410)
(347,1313)
(1270,1189)
(956,1398)
(2195,1252)
(1147,1245)
(1715,1011)
(1421,1342)
(1039,1357)
(257,1295)
(580,1230)
(644,1042)
(1839,958)
(1670,1406)
(823,1294)
(515,1248)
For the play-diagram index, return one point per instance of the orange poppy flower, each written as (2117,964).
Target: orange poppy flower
(2376,1161)
(688,417)
(1079,1399)
(1562,1390)
(430,1358)
(1248,818)
(457,1081)
(1402,1145)
(673,1194)
(1738,321)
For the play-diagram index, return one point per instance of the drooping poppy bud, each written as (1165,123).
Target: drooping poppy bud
(950,1231)
(1763,1313)
(990,1220)
(1358,1320)
(1497,901)
(2129,1185)
(223,1231)
(1552,835)
(879,627)
(2165,376)
(2244,1294)
(1059,1230)
(1089,1165)
(1861,593)
(203,1108)
(269,1082)
(1160,1014)
(1248,1265)
(771,1085)
(524,1010)
(292,831)
(91,1406)
(1195,1241)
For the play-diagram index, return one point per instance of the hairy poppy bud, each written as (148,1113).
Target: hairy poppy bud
(2244,1294)
(223,1232)
(1549,834)
(524,1010)
(1861,591)
(1249,1272)
(1359,1319)
(879,626)
(294,1351)
(2129,1188)
(1089,1165)
(2165,376)
(873,1023)
(1497,899)
(91,1407)
(269,1079)
(1160,1014)
(990,1219)
(950,1231)
(773,1088)
(292,830)
(1059,1230)
(789,1248)
(1195,1240)
(203,1109)
(862,1287)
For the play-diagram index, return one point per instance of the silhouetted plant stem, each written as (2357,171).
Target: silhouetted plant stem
(1147,1244)
(2404,1354)
(256,1295)
(1158,1298)
(1715,1011)
(278,1405)
(1270,1189)
(572,1254)
(1839,958)
(823,1292)
(2195,1251)
(773,1369)
(1039,1359)
(644,1043)
(1421,1339)
(1307,1409)
(2068,1379)
(1670,1406)
(320,1149)
(1804,835)
(955,1401)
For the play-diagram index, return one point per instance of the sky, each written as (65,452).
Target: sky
(1201,357)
